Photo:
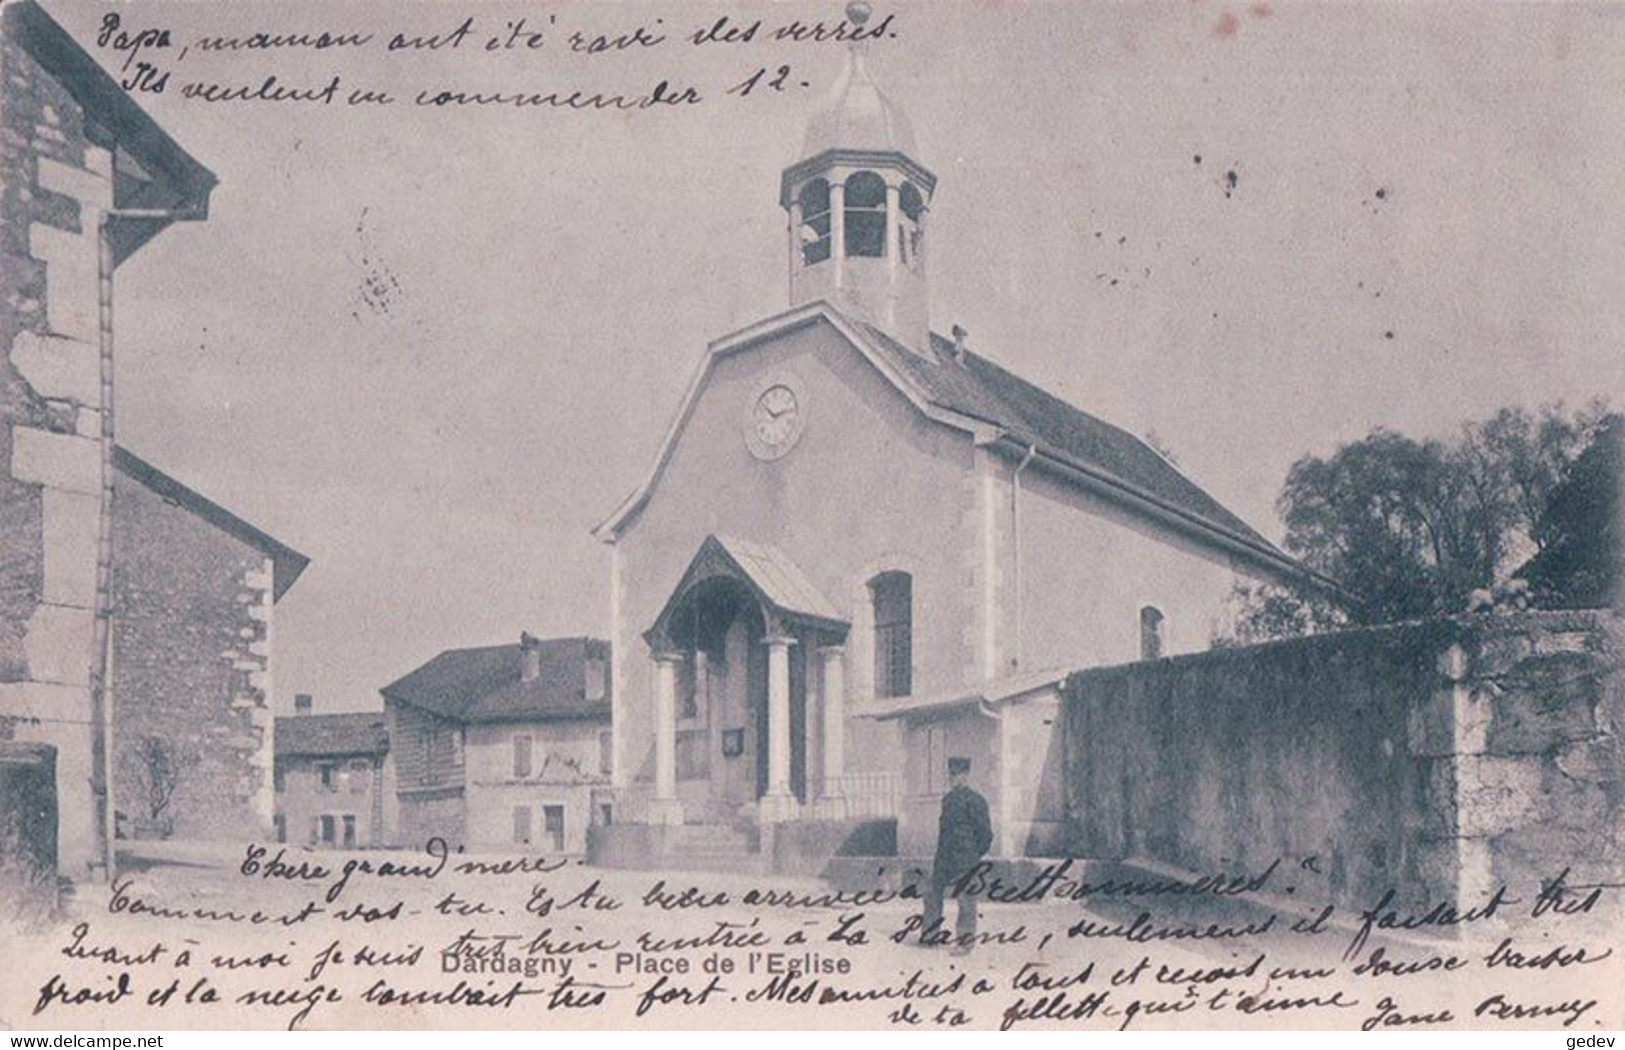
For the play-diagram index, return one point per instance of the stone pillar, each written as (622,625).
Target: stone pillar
(832,796)
(778,804)
(665,808)
(795,239)
(837,227)
(894,221)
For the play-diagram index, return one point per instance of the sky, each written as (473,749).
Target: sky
(432,347)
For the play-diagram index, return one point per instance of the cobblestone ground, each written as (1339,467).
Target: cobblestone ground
(515,943)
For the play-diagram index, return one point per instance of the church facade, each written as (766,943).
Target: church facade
(856,529)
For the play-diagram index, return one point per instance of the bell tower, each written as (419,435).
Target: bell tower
(857,203)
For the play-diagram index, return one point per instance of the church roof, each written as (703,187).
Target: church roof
(974,386)
(973,394)
(486,684)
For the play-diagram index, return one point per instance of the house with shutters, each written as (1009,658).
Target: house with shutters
(503,748)
(334,779)
(863,547)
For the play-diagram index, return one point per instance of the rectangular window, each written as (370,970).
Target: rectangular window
(280,822)
(329,829)
(521,756)
(329,773)
(553,828)
(349,831)
(521,825)
(894,634)
(606,752)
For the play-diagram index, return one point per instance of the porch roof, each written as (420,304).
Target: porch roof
(785,592)
(780,580)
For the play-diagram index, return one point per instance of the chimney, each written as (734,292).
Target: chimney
(530,658)
(302,703)
(959,343)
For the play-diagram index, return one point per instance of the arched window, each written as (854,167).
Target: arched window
(893,594)
(866,215)
(910,227)
(815,231)
(1150,632)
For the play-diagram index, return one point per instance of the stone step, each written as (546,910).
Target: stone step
(731,863)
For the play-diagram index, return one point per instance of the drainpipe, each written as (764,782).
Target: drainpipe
(1015,529)
(101,683)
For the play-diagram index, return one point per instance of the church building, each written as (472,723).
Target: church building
(862,545)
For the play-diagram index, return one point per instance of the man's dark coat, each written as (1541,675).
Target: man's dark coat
(964,834)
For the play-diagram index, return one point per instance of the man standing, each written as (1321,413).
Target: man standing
(964,835)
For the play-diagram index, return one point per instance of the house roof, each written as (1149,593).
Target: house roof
(318,736)
(152,172)
(485,684)
(971,393)
(987,696)
(287,563)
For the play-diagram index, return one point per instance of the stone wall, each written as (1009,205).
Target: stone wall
(1441,759)
(56,181)
(191,667)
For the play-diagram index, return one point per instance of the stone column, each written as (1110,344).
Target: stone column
(832,798)
(795,238)
(894,222)
(837,227)
(778,804)
(665,808)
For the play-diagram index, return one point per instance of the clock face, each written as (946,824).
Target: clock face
(775,417)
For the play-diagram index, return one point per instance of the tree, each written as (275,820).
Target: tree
(1414,529)
(1581,535)
(159,769)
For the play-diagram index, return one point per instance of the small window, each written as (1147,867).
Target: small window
(606,752)
(330,775)
(553,828)
(1151,633)
(606,814)
(349,831)
(815,222)
(894,634)
(280,823)
(521,756)
(596,678)
(866,215)
(521,825)
(329,828)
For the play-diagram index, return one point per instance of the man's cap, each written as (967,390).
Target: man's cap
(957,766)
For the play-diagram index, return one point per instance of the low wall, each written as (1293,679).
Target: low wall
(1441,759)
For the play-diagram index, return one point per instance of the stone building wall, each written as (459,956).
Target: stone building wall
(56,182)
(191,666)
(1442,759)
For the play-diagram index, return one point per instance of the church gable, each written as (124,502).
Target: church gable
(757,393)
